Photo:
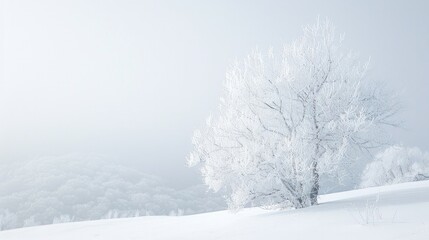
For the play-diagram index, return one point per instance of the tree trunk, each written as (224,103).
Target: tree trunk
(315,187)
(314,171)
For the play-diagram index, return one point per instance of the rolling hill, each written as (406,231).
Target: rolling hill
(384,213)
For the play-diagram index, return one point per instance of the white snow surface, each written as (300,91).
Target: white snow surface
(401,212)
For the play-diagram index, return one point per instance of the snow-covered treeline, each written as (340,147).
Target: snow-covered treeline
(80,187)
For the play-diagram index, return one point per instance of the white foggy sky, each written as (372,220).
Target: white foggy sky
(133,79)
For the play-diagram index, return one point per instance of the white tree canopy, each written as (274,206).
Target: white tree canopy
(287,119)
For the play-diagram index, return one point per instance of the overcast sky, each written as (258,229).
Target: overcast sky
(132,80)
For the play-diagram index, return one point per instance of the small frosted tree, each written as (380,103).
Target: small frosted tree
(288,119)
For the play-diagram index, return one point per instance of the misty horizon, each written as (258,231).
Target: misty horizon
(132,81)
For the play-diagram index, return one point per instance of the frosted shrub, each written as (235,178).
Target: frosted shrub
(396,164)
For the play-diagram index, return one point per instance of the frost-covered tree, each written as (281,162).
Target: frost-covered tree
(396,164)
(286,120)
(7,219)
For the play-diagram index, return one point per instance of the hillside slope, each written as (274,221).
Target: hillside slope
(383,213)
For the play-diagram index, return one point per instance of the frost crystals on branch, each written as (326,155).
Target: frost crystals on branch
(287,120)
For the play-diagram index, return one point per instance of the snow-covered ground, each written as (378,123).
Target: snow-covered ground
(382,213)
